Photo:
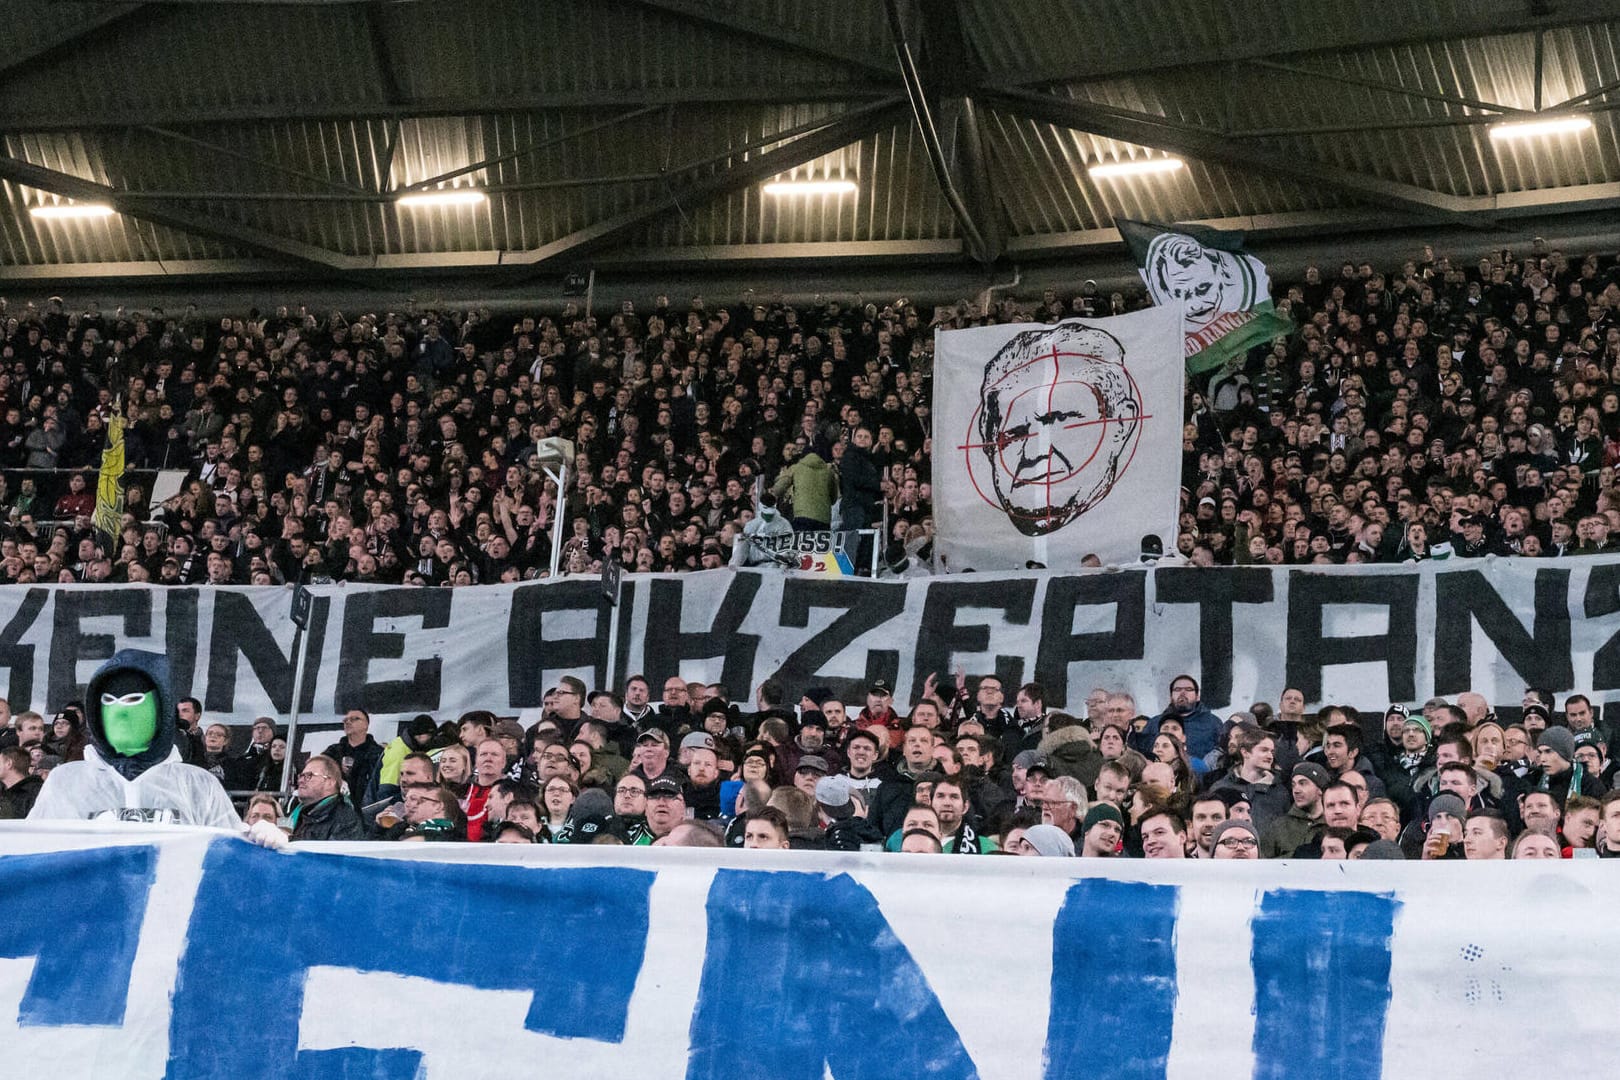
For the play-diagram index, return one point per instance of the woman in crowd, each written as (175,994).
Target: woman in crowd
(557,798)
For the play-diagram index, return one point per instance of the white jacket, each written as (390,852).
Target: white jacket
(170,792)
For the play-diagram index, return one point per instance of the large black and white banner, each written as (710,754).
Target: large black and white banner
(1360,636)
(1056,442)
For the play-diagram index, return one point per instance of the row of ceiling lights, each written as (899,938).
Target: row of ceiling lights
(1523,129)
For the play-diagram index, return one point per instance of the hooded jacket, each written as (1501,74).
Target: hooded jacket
(1070,752)
(154,785)
(812,487)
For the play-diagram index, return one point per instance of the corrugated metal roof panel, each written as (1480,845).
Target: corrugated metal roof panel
(175,57)
(896,198)
(27,240)
(518,47)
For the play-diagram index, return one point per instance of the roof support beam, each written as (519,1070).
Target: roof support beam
(835,135)
(1380,23)
(1217,148)
(716,16)
(67,37)
(377,35)
(590,100)
(528,151)
(1346,79)
(242,236)
(923,107)
(250,159)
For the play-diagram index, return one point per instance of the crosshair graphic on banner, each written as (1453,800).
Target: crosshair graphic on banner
(1058,422)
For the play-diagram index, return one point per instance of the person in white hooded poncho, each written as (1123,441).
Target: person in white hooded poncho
(132,770)
(768,523)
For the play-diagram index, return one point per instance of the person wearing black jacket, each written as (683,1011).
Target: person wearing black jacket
(860,481)
(1558,775)
(18,787)
(357,753)
(322,812)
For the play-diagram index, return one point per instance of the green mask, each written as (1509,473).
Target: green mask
(130,721)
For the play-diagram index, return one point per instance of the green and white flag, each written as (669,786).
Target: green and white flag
(1226,292)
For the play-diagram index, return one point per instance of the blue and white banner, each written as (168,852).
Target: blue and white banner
(142,952)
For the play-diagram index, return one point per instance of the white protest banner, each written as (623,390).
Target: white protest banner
(1056,442)
(1357,635)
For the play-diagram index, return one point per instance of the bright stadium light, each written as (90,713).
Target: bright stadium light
(1144,167)
(1530,129)
(811,187)
(448,197)
(72,210)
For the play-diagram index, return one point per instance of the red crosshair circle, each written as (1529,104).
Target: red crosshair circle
(1002,444)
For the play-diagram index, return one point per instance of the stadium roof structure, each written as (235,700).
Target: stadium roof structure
(217,138)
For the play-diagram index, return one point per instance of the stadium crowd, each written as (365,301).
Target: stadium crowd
(1416,412)
(962,771)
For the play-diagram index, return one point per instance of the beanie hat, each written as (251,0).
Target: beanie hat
(1418,720)
(1560,741)
(1447,803)
(1383,849)
(1103,811)
(1231,825)
(1313,772)
(1049,840)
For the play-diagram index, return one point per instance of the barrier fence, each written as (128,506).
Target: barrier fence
(149,952)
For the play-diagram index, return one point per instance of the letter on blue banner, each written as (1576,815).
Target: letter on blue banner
(79,914)
(1321,984)
(1113,982)
(263,919)
(802,973)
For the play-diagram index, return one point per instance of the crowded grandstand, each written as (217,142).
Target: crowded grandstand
(1421,411)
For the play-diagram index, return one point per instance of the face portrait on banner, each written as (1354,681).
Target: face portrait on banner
(1064,440)
(1059,419)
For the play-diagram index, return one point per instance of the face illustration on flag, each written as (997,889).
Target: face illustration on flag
(1180,270)
(1058,422)
(1224,291)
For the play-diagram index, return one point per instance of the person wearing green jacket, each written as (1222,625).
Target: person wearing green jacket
(811,486)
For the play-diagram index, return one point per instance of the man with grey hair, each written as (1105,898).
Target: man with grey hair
(1063,803)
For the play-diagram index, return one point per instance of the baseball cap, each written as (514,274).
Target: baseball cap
(588,828)
(653,735)
(813,761)
(833,793)
(666,787)
(1026,758)
(697,740)
(880,686)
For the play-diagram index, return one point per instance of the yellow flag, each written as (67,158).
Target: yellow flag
(109,516)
